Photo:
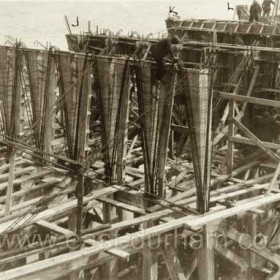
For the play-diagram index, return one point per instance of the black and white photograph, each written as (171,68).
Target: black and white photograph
(140,140)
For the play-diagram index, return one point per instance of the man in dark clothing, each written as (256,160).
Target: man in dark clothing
(266,7)
(266,127)
(255,11)
(162,49)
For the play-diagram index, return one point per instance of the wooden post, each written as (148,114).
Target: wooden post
(122,121)
(109,270)
(229,159)
(81,134)
(150,263)
(149,257)
(165,116)
(67,24)
(215,37)
(80,195)
(50,99)
(10,182)
(171,144)
(16,124)
(274,179)
(206,262)
(172,262)
(72,225)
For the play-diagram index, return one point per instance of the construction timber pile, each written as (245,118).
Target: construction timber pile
(107,173)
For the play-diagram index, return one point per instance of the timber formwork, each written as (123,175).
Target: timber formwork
(94,179)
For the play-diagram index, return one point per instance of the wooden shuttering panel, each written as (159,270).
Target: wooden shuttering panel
(37,63)
(75,89)
(113,91)
(201,105)
(8,83)
(155,109)
(199,83)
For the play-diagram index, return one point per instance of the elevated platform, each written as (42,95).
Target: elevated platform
(247,33)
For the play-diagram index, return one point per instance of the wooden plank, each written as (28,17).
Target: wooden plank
(33,176)
(192,269)
(17,173)
(58,266)
(114,252)
(232,257)
(249,99)
(273,90)
(123,206)
(132,146)
(237,210)
(220,179)
(256,140)
(23,192)
(38,250)
(57,211)
(243,140)
(19,161)
(247,242)
(274,179)
(178,178)
(241,113)
(173,264)
(17,209)
(54,228)
(230,195)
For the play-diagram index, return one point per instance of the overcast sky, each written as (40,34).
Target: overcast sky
(233,2)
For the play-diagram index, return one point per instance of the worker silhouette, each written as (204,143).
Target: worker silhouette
(266,6)
(266,128)
(255,11)
(162,49)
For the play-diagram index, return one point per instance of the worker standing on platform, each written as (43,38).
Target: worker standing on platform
(162,49)
(255,11)
(266,6)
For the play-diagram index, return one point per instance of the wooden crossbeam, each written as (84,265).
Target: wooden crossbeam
(57,229)
(249,99)
(23,192)
(18,172)
(123,206)
(114,252)
(54,228)
(33,176)
(192,269)
(244,106)
(6,166)
(58,211)
(173,264)
(243,140)
(274,179)
(232,257)
(256,140)
(61,266)
(247,242)
(237,210)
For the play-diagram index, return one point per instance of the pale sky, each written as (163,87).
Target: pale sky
(233,2)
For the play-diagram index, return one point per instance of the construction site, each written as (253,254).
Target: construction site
(107,173)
